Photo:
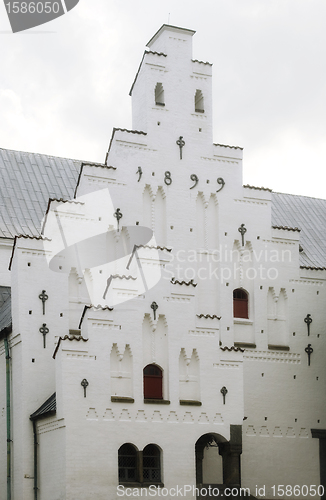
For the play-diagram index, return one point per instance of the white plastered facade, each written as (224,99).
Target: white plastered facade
(272,392)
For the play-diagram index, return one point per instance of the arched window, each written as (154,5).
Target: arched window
(159,95)
(127,457)
(151,464)
(199,102)
(153,378)
(240,303)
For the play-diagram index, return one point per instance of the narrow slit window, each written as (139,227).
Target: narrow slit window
(199,102)
(159,95)
(240,304)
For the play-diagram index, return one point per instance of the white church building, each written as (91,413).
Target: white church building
(162,326)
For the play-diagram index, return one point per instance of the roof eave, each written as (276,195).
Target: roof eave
(5,332)
(164,27)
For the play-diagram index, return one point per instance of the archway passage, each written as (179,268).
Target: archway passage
(227,471)
(209,463)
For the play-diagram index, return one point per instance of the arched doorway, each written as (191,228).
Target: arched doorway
(218,460)
(209,461)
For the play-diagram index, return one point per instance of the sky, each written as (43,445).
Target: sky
(65,85)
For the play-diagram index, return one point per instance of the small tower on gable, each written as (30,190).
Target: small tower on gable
(172,93)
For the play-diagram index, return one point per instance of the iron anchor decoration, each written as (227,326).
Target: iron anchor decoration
(44,330)
(154,306)
(180,142)
(194,178)
(224,392)
(43,297)
(167,178)
(309,350)
(85,384)
(221,182)
(108,283)
(140,173)
(243,231)
(308,321)
(118,215)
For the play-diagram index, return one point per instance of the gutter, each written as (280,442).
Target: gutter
(35,459)
(8,405)
(35,417)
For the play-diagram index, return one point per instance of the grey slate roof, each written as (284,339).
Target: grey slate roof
(27,181)
(46,409)
(309,215)
(5,307)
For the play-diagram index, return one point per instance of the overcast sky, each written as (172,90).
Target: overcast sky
(65,84)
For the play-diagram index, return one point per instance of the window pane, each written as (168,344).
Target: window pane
(240,304)
(127,460)
(151,464)
(153,382)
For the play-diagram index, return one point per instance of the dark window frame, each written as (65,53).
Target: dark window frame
(153,382)
(199,101)
(128,460)
(146,465)
(159,94)
(240,304)
(151,464)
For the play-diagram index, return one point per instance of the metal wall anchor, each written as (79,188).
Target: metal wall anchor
(224,392)
(44,330)
(309,350)
(43,298)
(154,306)
(243,231)
(84,383)
(118,215)
(140,172)
(180,142)
(308,321)
(194,178)
(221,182)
